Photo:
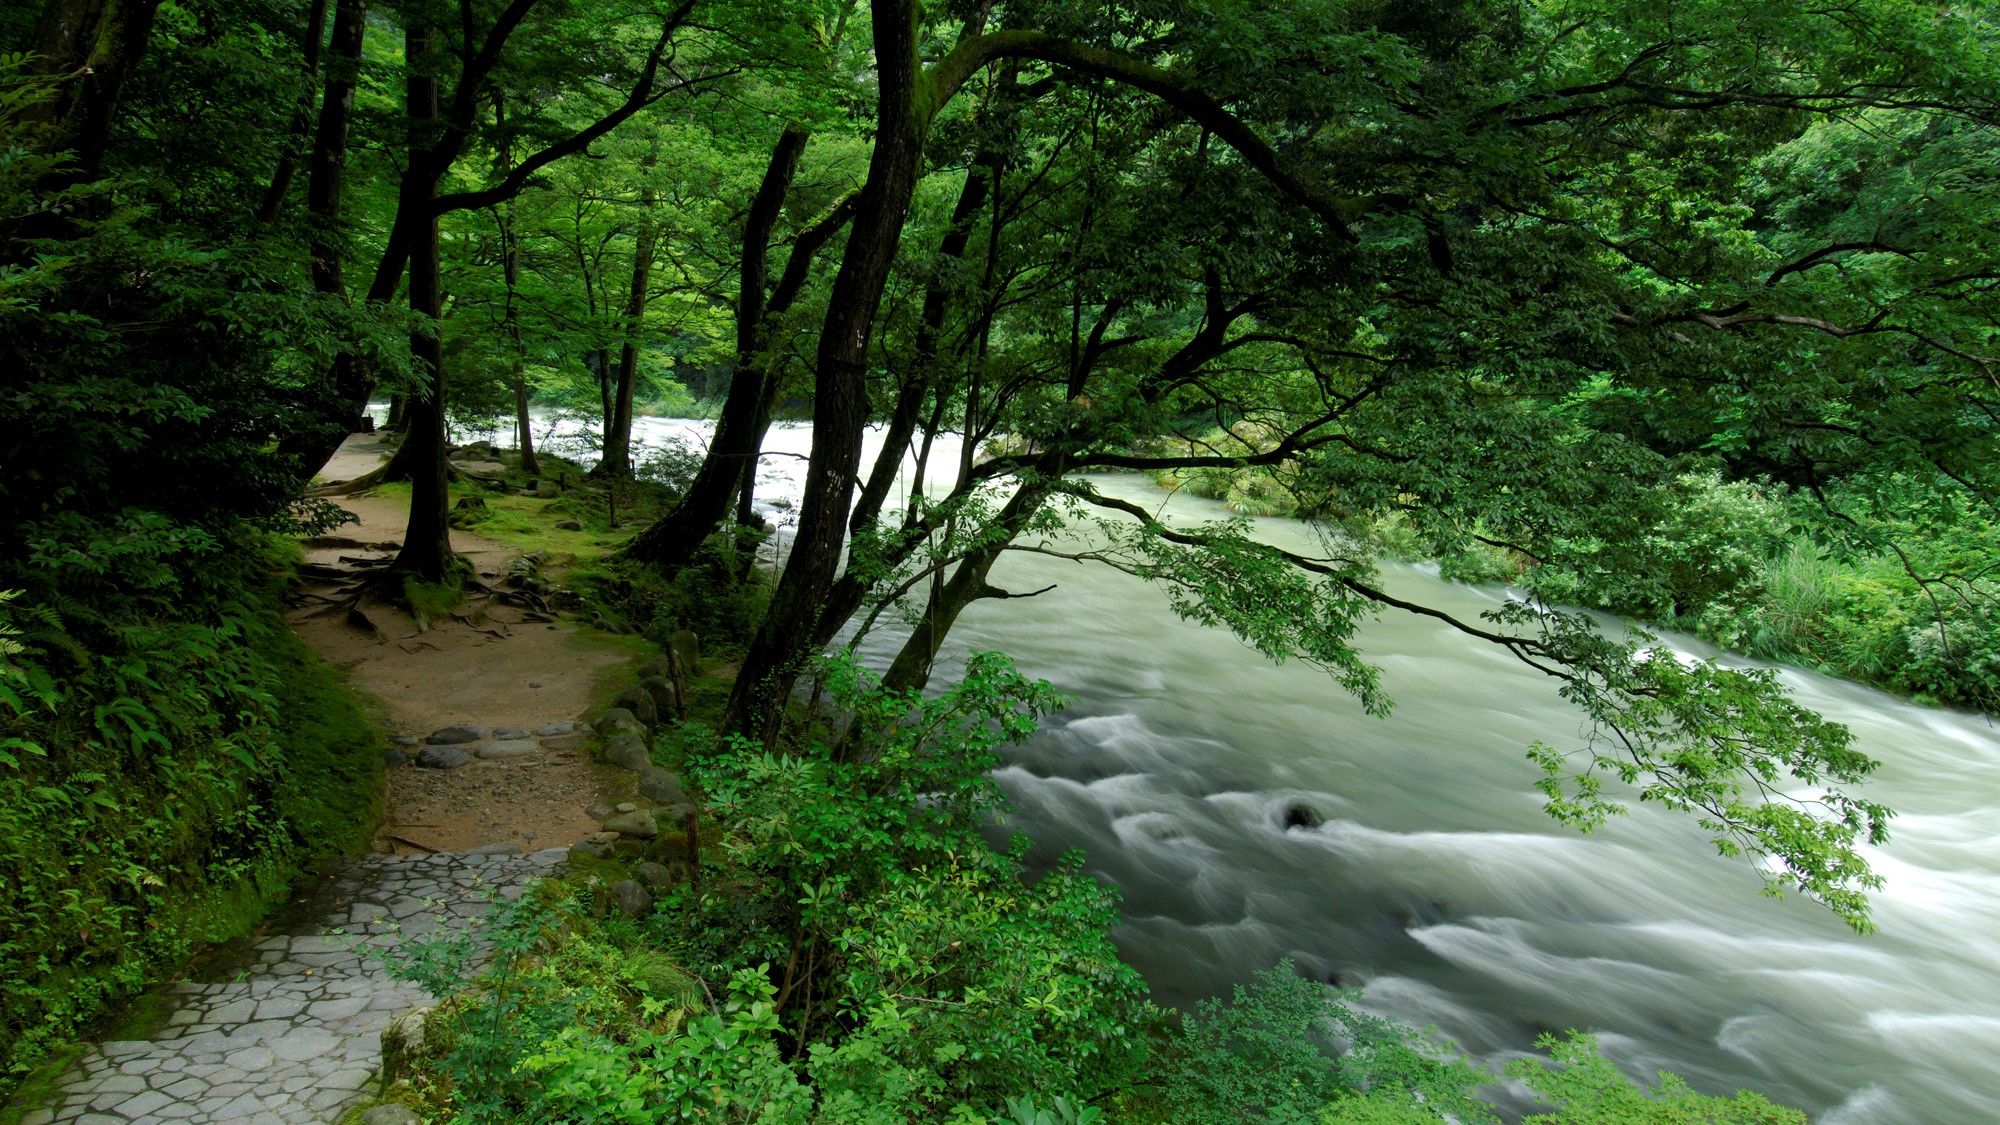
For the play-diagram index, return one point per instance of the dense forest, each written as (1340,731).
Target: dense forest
(1671,311)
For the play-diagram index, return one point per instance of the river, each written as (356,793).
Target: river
(1436,884)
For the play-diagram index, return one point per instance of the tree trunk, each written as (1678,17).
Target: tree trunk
(840,400)
(671,540)
(937,303)
(94,44)
(326,170)
(510,272)
(426,549)
(746,495)
(288,159)
(850,590)
(912,666)
(616,463)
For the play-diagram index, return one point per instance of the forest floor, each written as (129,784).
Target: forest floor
(491,666)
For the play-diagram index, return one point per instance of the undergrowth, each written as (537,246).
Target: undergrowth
(167,764)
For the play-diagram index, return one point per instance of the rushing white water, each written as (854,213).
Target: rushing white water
(1436,883)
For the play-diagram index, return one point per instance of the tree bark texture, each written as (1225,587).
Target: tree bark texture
(732,453)
(912,666)
(840,400)
(326,175)
(510,274)
(302,118)
(426,549)
(94,45)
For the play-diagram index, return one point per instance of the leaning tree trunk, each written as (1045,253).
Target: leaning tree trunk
(840,401)
(671,540)
(912,667)
(851,589)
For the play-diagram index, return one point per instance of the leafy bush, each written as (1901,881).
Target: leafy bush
(1585,1089)
(1288,1047)
(1694,546)
(719,594)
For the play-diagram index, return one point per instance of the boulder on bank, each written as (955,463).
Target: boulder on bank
(634,901)
(662,785)
(403,1045)
(686,648)
(628,751)
(640,702)
(637,823)
(619,720)
(665,694)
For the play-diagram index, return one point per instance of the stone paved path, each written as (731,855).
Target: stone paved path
(294,1036)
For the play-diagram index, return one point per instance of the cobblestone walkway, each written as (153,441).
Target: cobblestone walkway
(294,1036)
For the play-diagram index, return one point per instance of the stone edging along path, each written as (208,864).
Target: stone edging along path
(293,1037)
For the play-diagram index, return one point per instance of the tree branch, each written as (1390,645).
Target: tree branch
(971,55)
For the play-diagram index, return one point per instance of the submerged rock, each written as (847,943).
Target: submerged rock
(1301,815)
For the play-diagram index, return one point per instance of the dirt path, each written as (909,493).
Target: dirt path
(285,1028)
(498,669)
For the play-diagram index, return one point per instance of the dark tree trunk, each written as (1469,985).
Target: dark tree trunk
(937,303)
(732,453)
(94,44)
(599,362)
(851,589)
(426,549)
(302,118)
(840,400)
(746,495)
(326,171)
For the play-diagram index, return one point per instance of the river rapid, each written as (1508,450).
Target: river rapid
(1435,883)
